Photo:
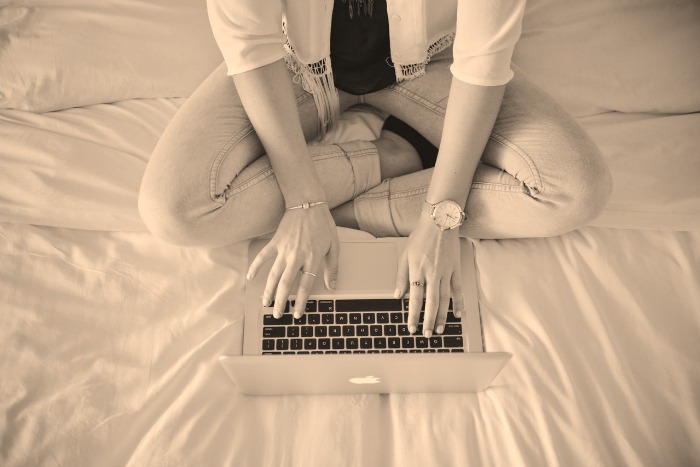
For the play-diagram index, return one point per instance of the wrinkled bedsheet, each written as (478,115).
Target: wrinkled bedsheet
(109,346)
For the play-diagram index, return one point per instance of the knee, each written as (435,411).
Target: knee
(585,190)
(165,214)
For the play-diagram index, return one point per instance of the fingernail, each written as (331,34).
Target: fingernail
(397,293)
(333,284)
(247,277)
(440,329)
(412,329)
(297,314)
(266,302)
(458,314)
(428,333)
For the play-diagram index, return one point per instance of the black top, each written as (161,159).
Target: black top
(360,51)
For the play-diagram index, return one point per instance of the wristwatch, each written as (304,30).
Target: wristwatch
(447,214)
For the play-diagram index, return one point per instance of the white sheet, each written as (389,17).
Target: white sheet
(110,343)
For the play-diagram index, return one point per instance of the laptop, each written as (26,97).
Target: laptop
(355,339)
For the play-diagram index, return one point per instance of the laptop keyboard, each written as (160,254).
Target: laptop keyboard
(355,326)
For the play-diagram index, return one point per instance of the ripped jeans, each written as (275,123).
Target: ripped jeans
(208,182)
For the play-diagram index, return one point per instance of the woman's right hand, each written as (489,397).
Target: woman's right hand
(303,238)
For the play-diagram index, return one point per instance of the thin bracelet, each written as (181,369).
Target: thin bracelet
(306,205)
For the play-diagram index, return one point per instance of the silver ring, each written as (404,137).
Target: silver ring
(309,273)
(418,283)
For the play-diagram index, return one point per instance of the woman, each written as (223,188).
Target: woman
(234,162)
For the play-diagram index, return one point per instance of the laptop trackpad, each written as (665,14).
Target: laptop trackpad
(367,266)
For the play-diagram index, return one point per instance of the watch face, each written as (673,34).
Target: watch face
(448,214)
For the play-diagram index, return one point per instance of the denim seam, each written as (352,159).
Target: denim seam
(431,106)
(218,162)
(539,185)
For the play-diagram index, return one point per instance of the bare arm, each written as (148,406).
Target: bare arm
(469,119)
(268,99)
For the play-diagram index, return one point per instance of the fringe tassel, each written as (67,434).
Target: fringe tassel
(316,79)
(415,70)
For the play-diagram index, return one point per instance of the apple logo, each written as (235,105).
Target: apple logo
(365,380)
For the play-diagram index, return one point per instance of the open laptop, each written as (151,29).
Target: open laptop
(355,339)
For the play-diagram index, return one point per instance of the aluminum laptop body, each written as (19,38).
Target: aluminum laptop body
(367,270)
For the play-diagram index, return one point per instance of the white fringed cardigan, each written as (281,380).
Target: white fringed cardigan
(254,33)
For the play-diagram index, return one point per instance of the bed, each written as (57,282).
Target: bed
(109,338)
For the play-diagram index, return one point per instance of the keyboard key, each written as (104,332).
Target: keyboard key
(344,351)
(389,329)
(331,351)
(352,343)
(334,331)
(282,344)
(269,320)
(293,331)
(362,330)
(358,351)
(287,353)
(373,351)
(403,330)
(375,330)
(380,342)
(320,331)
(324,344)
(302,352)
(387,351)
(429,351)
(309,344)
(315,319)
(341,318)
(408,342)
(443,350)
(301,320)
(366,343)
(453,341)
(338,343)
(310,306)
(401,351)
(435,342)
(286,307)
(348,330)
(307,331)
(394,342)
(317,351)
(451,318)
(374,304)
(457,350)
(273,331)
(268,344)
(271,353)
(327,318)
(453,329)
(422,342)
(325,306)
(397,317)
(383,318)
(414,351)
(296,344)
(283,320)
(355,318)
(368,318)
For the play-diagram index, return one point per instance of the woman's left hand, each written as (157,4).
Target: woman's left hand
(432,257)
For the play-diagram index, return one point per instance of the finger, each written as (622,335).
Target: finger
(283,288)
(272,280)
(306,283)
(457,294)
(401,276)
(415,302)
(444,305)
(268,252)
(432,301)
(331,271)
